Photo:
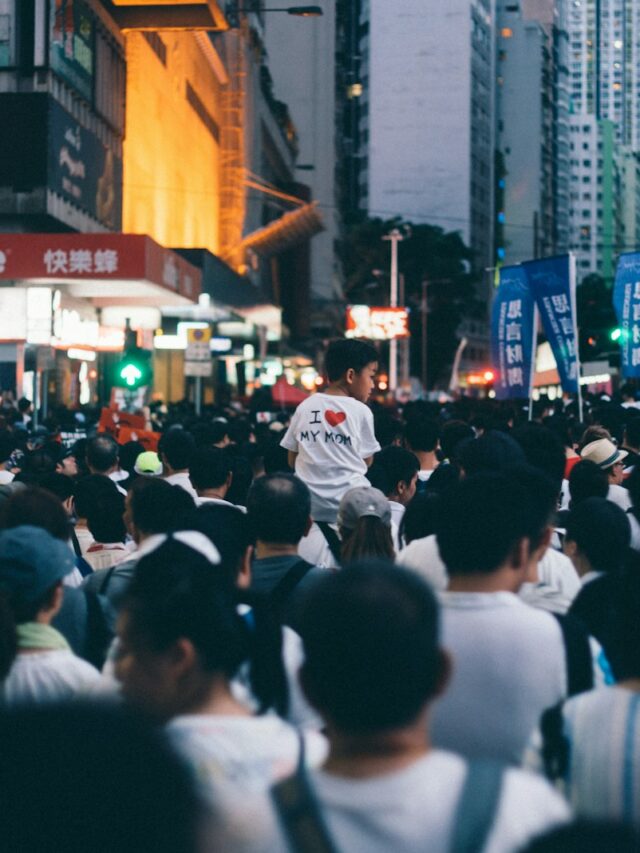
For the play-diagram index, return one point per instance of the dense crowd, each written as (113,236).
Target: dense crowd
(341,628)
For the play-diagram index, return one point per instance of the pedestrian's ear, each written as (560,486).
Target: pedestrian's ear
(307,527)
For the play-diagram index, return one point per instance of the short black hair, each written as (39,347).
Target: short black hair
(392,465)
(492,451)
(422,434)
(484,516)
(87,748)
(587,480)
(38,507)
(543,449)
(279,506)
(102,453)
(453,433)
(371,643)
(158,507)
(346,354)
(105,520)
(89,490)
(228,529)
(601,531)
(421,517)
(178,446)
(209,467)
(129,452)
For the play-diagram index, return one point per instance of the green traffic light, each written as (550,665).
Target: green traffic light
(131,374)
(615,334)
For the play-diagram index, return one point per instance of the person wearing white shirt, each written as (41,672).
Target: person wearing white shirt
(510,659)
(103,458)
(394,471)
(176,447)
(210,472)
(422,438)
(610,458)
(373,668)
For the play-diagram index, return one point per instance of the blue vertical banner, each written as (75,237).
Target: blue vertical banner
(553,286)
(513,335)
(626,302)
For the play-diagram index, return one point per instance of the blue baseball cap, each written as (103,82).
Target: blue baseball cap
(32,561)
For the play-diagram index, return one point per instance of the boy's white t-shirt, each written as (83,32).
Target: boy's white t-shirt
(332,436)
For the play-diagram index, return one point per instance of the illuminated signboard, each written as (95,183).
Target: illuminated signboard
(377,324)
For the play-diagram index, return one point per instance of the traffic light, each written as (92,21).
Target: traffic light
(134,369)
(615,334)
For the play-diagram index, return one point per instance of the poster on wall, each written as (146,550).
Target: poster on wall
(72,45)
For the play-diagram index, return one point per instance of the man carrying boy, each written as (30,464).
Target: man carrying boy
(331,440)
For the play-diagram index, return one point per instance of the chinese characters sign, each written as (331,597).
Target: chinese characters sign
(512,335)
(552,283)
(377,324)
(626,301)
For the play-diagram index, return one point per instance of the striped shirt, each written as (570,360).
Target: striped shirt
(602,779)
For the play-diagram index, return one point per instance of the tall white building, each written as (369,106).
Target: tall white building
(427,123)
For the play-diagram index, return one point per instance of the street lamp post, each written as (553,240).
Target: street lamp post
(234,10)
(395,237)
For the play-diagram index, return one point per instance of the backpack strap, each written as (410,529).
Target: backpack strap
(577,653)
(74,542)
(300,813)
(555,745)
(285,586)
(477,807)
(102,590)
(333,540)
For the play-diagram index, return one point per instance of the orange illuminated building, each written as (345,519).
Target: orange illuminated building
(171,151)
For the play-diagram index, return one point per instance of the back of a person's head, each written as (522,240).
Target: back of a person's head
(371,642)
(89,490)
(587,836)
(178,446)
(105,519)
(59,485)
(158,507)
(452,434)
(209,467)
(601,531)
(129,452)
(102,453)
(542,449)
(592,433)
(492,451)
(369,539)
(279,506)
(228,528)
(112,783)
(37,507)
(587,480)
(484,517)
(388,429)
(420,517)
(422,434)
(37,464)
(345,354)
(632,432)
(392,465)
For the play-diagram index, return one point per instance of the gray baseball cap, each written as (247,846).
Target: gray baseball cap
(32,561)
(362,501)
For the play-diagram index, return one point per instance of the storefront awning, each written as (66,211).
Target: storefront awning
(105,269)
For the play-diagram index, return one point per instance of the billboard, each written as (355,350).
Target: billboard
(377,324)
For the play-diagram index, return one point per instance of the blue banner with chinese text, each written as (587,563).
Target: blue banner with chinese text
(512,335)
(626,302)
(552,283)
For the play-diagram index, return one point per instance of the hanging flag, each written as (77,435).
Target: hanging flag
(513,335)
(626,301)
(553,286)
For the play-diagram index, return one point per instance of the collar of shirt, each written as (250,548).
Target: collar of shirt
(480,600)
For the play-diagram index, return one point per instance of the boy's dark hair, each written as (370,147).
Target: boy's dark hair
(543,449)
(492,451)
(278,506)
(178,446)
(228,529)
(158,507)
(102,453)
(601,531)
(38,507)
(88,491)
(372,657)
(422,434)
(453,433)
(483,518)
(587,480)
(391,466)
(209,468)
(344,354)
(105,521)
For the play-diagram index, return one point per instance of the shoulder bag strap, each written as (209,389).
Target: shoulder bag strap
(477,807)
(555,745)
(578,655)
(333,541)
(285,586)
(300,813)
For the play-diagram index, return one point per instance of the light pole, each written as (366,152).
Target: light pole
(395,237)
(234,10)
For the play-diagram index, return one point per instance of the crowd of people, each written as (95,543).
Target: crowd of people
(344,628)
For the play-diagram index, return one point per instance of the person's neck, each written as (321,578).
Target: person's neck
(208,697)
(427,458)
(218,493)
(338,389)
(362,756)
(503,580)
(171,471)
(274,549)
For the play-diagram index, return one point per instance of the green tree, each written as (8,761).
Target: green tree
(429,254)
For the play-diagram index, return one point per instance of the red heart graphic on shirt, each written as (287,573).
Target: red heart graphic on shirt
(335,418)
